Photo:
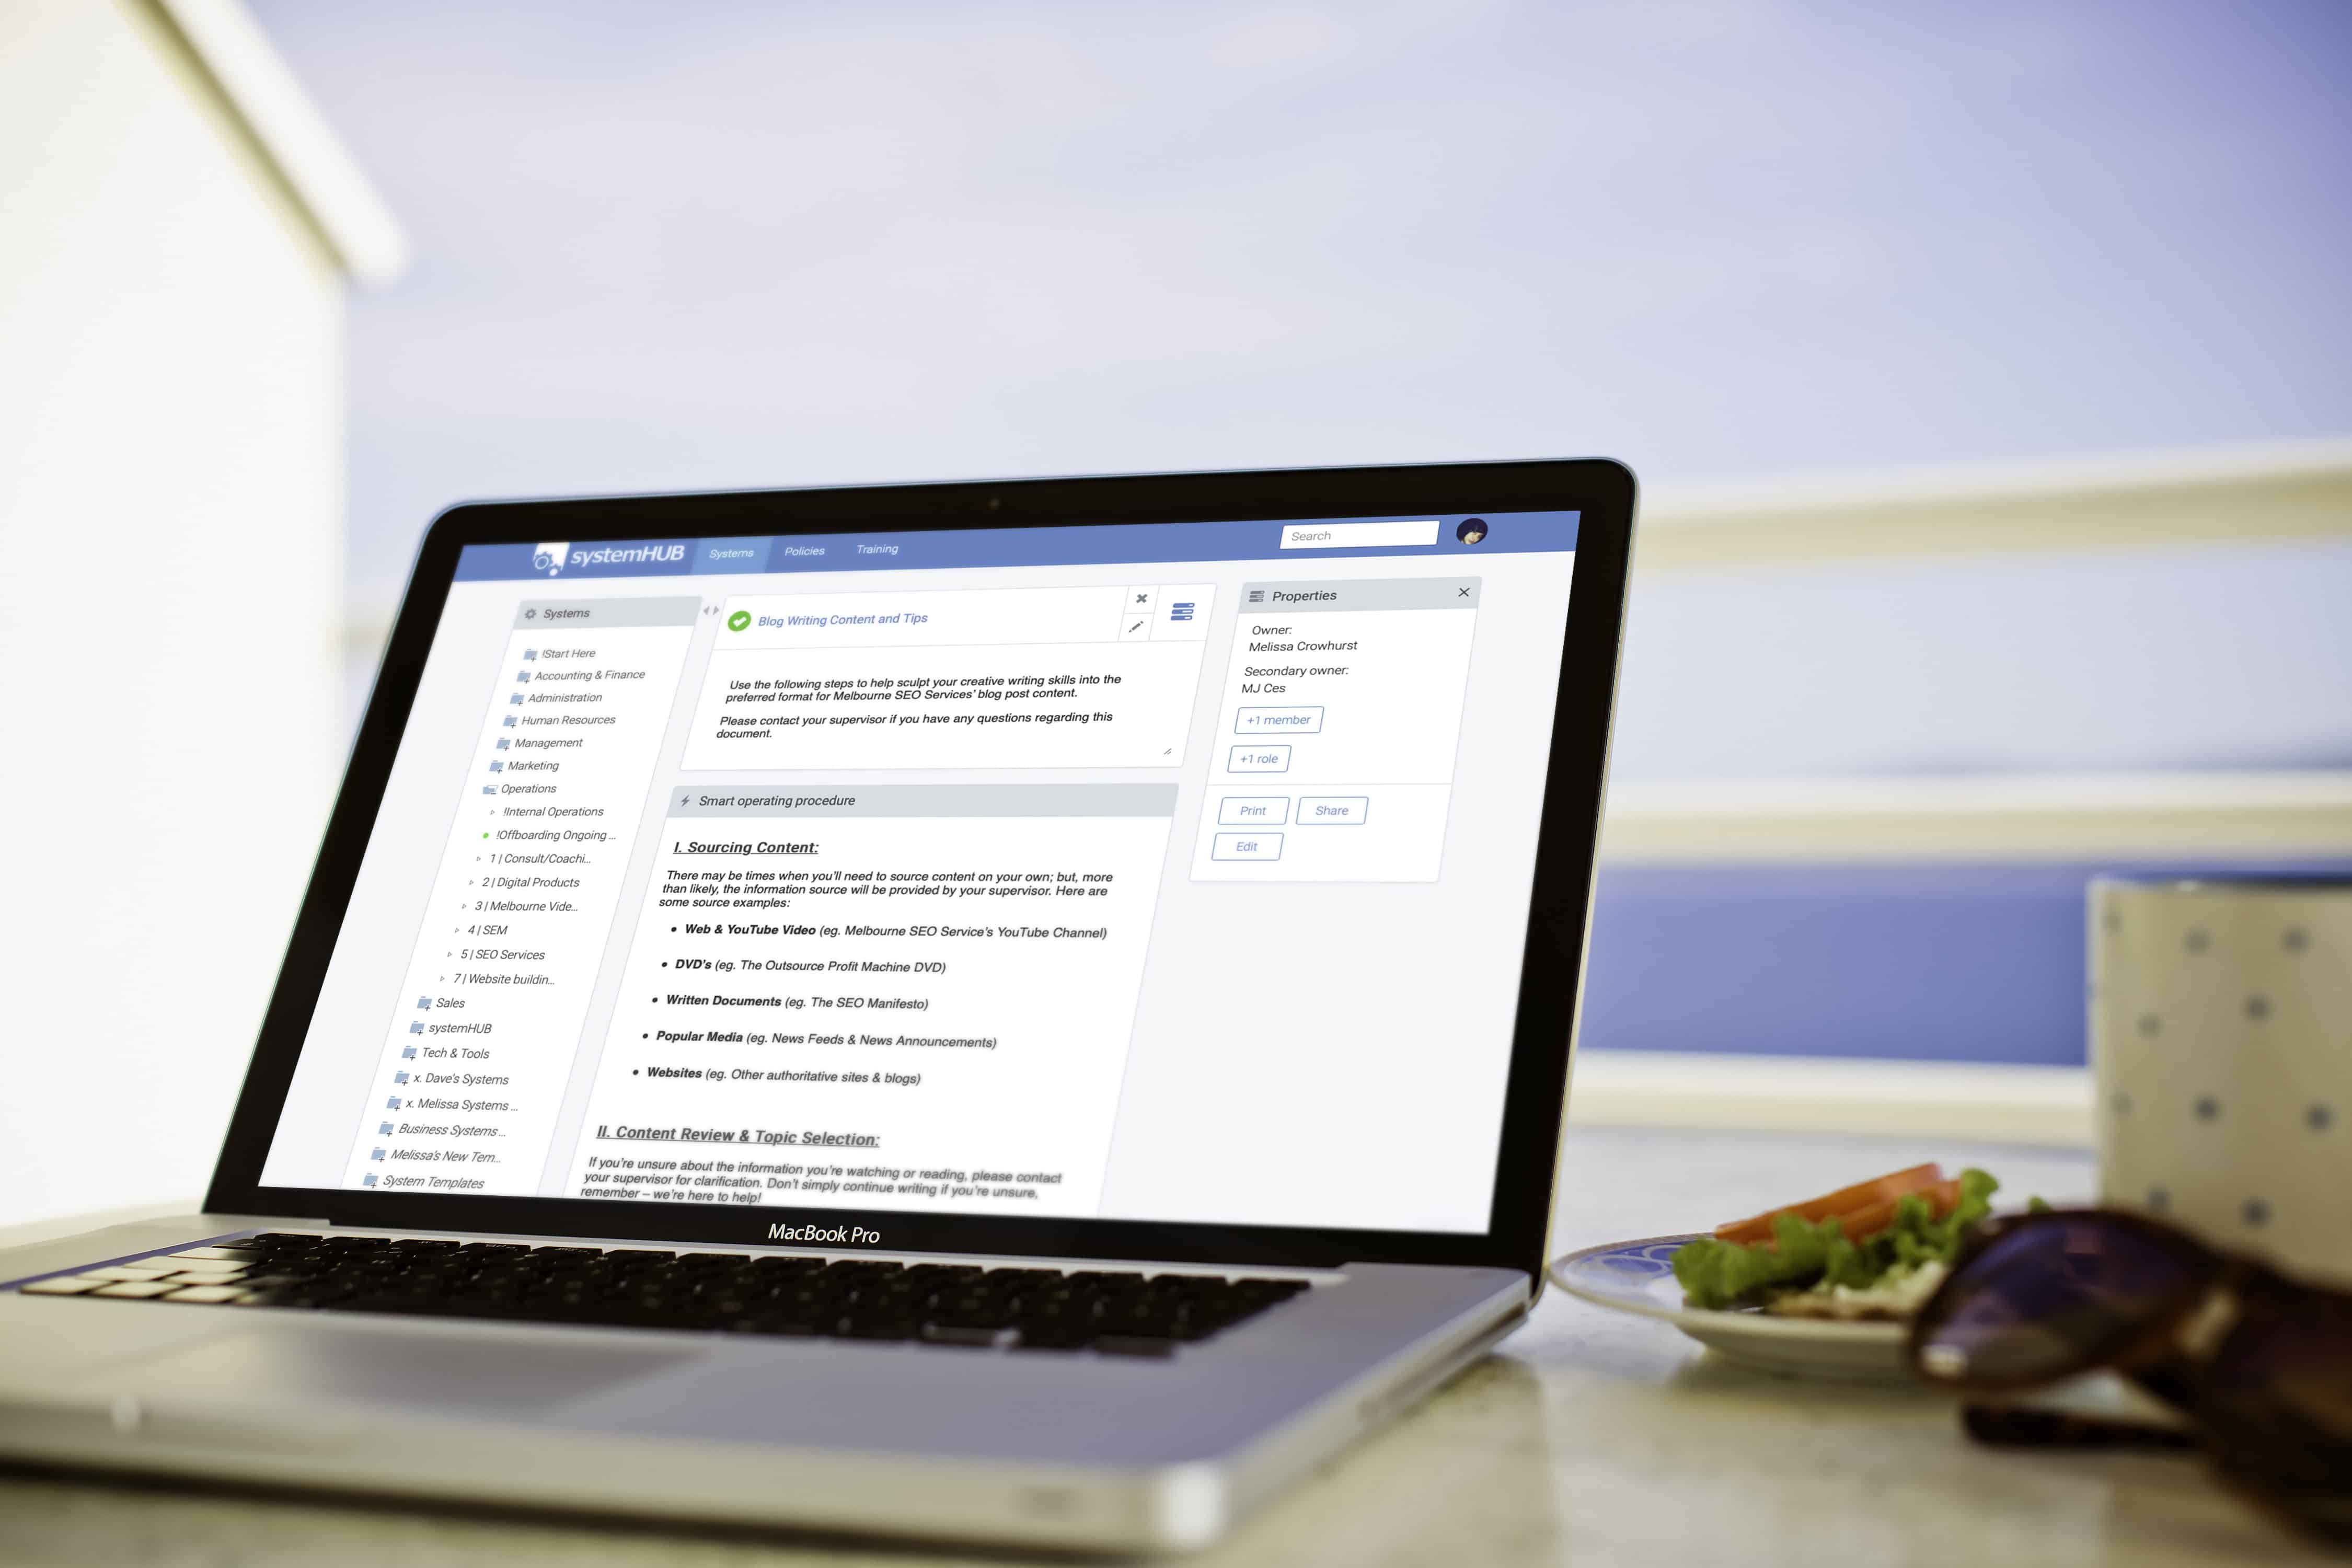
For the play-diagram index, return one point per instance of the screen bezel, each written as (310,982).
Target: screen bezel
(1535,1104)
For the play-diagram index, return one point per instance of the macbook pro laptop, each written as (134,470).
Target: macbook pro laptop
(1032,1012)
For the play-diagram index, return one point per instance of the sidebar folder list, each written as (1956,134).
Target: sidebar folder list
(481,1042)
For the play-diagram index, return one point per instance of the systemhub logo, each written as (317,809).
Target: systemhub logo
(823,1234)
(628,555)
(554,557)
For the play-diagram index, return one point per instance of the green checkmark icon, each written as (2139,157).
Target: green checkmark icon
(739,620)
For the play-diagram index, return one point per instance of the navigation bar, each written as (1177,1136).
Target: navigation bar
(1489,533)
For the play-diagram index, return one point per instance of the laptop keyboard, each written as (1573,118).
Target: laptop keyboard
(859,1298)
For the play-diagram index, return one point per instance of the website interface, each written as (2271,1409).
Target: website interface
(1146,872)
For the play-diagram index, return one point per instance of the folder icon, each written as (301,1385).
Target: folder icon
(511,720)
(368,1180)
(394,1103)
(384,1129)
(375,1153)
(504,743)
(516,700)
(424,1002)
(408,1053)
(524,675)
(531,653)
(400,1077)
(416,1026)
(489,789)
(498,767)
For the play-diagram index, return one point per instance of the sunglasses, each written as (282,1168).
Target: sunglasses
(2261,1364)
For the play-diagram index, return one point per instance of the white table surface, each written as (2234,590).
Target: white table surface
(1589,1438)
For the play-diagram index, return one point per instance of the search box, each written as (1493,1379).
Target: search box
(1357,535)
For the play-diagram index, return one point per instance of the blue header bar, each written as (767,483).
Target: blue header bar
(1108,544)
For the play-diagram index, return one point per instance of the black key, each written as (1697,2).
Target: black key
(296,1296)
(283,1280)
(1058,1318)
(1148,1315)
(883,1299)
(856,1327)
(931,1273)
(493,1248)
(502,1273)
(810,1301)
(622,1314)
(983,1317)
(303,1262)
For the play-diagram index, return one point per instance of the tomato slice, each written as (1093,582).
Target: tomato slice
(1858,1199)
(1861,1225)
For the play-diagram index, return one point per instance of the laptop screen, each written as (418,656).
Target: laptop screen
(1156,872)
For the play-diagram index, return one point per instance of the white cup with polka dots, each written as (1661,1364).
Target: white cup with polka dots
(2220,1018)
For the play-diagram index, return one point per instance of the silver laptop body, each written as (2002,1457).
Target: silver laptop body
(1043,1243)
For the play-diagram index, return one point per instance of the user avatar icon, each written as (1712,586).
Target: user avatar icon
(1471,531)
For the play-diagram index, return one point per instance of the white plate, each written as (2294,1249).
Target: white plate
(1638,1277)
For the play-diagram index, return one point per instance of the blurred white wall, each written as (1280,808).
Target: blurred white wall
(171,596)
(710,246)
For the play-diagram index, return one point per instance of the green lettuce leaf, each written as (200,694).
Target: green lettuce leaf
(1802,1253)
